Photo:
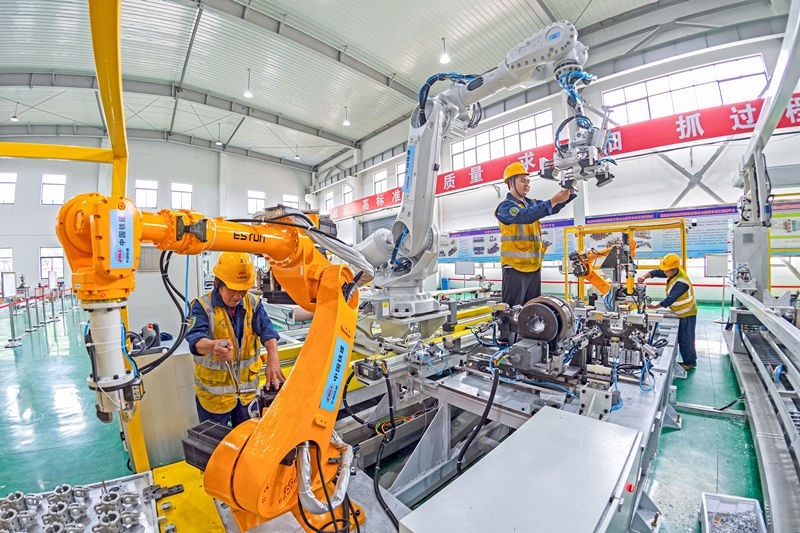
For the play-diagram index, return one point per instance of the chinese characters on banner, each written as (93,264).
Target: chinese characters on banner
(721,121)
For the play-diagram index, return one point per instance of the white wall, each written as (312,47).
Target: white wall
(175,163)
(220,183)
(237,175)
(26,226)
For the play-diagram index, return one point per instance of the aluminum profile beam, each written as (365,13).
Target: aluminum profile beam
(785,332)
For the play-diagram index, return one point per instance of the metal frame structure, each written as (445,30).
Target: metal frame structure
(771,408)
(629,228)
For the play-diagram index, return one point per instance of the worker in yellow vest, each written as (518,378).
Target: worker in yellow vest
(229,326)
(680,300)
(521,247)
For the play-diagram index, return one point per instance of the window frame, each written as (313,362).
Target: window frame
(8,184)
(180,192)
(55,186)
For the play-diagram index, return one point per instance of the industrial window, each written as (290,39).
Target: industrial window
(6,260)
(524,134)
(146,194)
(51,260)
(726,82)
(291,200)
(256,201)
(8,187)
(347,194)
(400,173)
(329,200)
(53,187)
(181,196)
(380,180)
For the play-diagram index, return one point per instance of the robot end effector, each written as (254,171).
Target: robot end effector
(583,154)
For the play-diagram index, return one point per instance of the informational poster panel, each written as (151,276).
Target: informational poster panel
(785,230)
(708,230)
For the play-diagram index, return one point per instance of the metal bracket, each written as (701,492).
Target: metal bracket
(595,403)
(156,492)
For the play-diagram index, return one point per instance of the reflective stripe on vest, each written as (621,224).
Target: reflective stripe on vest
(521,245)
(685,305)
(214,384)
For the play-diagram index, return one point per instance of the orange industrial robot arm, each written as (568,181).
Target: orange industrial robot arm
(583,265)
(249,469)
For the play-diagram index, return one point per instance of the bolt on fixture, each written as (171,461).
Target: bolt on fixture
(445,57)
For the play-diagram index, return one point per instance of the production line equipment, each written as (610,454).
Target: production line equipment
(405,255)
(613,367)
(264,468)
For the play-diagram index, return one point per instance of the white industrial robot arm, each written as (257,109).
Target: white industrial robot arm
(407,254)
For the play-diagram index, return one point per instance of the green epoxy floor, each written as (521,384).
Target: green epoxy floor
(48,427)
(708,454)
(50,434)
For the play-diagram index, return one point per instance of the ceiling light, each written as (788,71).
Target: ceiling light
(445,57)
(218,142)
(14,117)
(346,121)
(247,92)
(297,152)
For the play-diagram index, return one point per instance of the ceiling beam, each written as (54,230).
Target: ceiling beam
(77,81)
(756,29)
(287,31)
(72,130)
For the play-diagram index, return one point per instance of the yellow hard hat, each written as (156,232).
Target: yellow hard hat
(514,169)
(235,270)
(670,261)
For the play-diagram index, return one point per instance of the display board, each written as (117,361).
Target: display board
(707,232)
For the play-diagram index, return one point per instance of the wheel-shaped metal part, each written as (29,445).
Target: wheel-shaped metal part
(559,309)
(538,321)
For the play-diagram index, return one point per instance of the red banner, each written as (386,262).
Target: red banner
(689,127)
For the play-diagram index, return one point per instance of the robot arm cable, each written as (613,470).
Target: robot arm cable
(339,248)
(177,298)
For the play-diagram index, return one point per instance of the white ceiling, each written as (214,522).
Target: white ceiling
(185,63)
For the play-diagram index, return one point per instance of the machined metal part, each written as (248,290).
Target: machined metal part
(114,505)
(538,321)
(545,318)
(17,501)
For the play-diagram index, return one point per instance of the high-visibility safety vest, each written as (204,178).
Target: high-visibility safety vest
(685,305)
(521,245)
(214,380)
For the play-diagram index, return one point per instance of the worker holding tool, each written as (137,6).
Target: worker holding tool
(680,300)
(228,327)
